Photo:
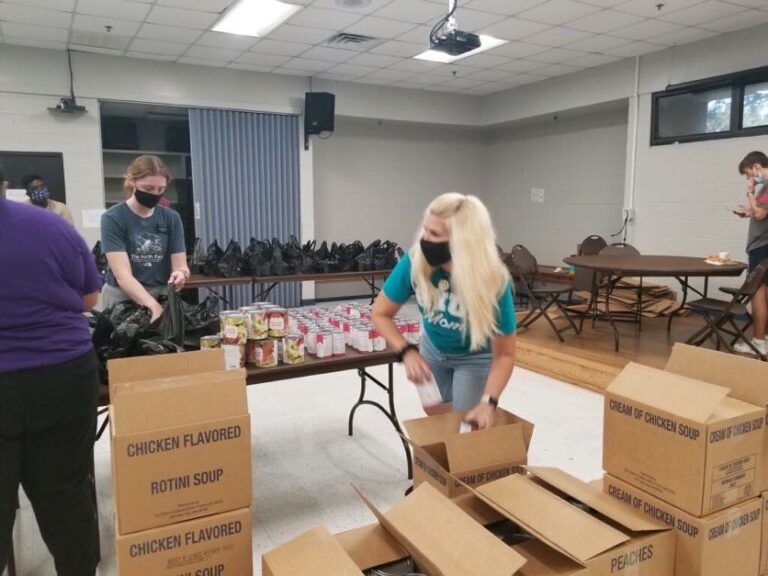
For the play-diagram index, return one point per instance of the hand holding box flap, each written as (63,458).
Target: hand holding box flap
(315,552)
(593,496)
(691,399)
(560,525)
(371,546)
(443,540)
(483,448)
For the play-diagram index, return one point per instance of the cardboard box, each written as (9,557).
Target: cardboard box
(181,446)
(682,440)
(726,542)
(428,527)
(474,458)
(600,538)
(218,545)
(764,541)
(745,377)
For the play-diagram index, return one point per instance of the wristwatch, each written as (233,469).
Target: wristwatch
(404,349)
(492,400)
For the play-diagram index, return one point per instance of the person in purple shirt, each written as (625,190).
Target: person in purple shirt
(48,383)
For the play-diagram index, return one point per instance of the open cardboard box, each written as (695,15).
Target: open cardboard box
(682,440)
(726,542)
(181,445)
(600,538)
(449,460)
(442,540)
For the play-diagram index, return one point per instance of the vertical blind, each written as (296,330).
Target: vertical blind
(245,169)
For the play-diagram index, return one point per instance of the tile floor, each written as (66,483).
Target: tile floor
(304,462)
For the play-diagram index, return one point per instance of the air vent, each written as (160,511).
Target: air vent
(350,41)
(99,40)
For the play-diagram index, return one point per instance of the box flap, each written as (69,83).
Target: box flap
(543,561)
(315,552)
(595,499)
(443,540)
(692,399)
(434,429)
(163,366)
(497,445)
(170,402)
(743,376)
(554,521)
(371,546)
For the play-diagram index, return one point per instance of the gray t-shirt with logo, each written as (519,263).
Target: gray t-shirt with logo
(149,242)
(758,229)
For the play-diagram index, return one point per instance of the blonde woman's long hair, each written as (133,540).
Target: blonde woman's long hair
(478,276)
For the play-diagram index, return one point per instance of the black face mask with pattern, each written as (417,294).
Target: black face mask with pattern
(146,199)
(436,253)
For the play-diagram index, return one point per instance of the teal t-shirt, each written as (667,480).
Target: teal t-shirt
(444,326)
(149,242)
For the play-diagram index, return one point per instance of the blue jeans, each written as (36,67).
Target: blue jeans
(461,378)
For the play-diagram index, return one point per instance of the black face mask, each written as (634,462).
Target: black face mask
(436,253)
(146,199)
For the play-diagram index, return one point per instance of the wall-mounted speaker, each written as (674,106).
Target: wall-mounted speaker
(318,112)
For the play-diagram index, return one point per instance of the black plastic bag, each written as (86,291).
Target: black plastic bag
(212,258)
(230,263)
(258,256)
(153,346)
(307,263)
(280,266)
(172,323)
(198,257)
(100,259)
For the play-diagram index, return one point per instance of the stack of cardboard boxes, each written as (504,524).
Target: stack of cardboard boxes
(685,446)
(181,466)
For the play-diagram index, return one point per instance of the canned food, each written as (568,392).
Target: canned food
(339,345)
(250,351)
(278,322)
(414,332)
(378,341)
(324,345)
(265,353)
(310,341)
(258,325)
(222,315)
(293,349)
(234,356)
(235,329)
(210,342)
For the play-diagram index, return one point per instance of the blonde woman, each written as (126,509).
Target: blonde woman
(143,241)
(464,294)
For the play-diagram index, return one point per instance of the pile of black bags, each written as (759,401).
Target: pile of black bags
(273,258)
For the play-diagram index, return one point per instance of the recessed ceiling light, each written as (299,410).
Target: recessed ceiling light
(255,17)
(486,43)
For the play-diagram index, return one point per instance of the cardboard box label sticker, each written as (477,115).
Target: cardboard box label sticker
(734,480)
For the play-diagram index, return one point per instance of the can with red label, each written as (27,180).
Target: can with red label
(235,329)
(293,349)
(324,345)
(339,346)
(278,322)
(266,353)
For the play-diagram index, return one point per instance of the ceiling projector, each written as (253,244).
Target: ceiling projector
(446,37)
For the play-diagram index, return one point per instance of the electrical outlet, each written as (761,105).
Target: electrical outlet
(628,214)
(197,210)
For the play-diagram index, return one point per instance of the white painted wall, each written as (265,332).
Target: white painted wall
(579,163)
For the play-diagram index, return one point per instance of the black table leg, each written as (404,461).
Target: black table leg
(391,414)
(685,285)
(265,292)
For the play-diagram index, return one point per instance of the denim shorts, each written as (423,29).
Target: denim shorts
(756,256)
(461,378)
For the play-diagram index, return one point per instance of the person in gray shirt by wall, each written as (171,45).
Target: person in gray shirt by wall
(143,241)
(755,167)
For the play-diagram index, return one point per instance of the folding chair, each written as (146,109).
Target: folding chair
(721,313)
(541,295)
(591,245)
(608,283)
(584,279)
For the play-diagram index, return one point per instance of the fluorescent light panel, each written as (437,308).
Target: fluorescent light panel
(255,17)
(486,43)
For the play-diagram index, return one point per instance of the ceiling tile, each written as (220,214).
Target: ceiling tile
(591,60)
(327,19)
(700,13)
(683,36)
(98,39)
(380,27)
(737,21)
(460,83)
(352,70)
(122,9)
(649,8)
(558,11)
(168,33)
(605,21)
(291,33)
(208,53)
(335,77)
(265,60)
(202,62)
(250,67)
(424,80)
(597,43)
(418,35)
(331,4)
(375,81)
(99,25)
(474,20)
(415,11)
(490,75)
(308,64)
(504,7)
(483,60)
(515,29)
(147,56)
(96,50)
(520,79)
(634,49)
(750,3)
(556,56)
(374,60)
(519,66)
(389,74)
(226,41)
(605,3)
(216,6)
(413,66)
(63,5)
(518,50)
(281,47)
(397,48)
(558,36)
(34,16)
(182,18)
(646,29)
(328,54)
(292,72)
(34,43)
(15,30)
(157,47)
(557,70)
